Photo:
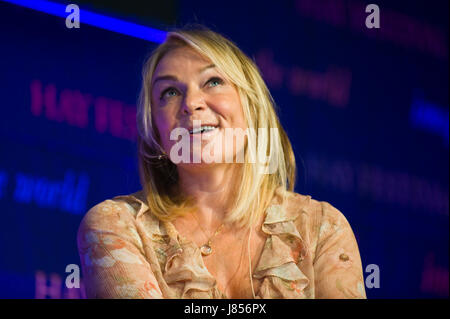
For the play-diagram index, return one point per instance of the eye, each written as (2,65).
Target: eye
(169,90)
(214,80)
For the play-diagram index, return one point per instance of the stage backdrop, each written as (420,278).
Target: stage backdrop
(366,110)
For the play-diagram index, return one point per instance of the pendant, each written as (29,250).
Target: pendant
(206,250)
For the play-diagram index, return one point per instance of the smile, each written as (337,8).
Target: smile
(202,129)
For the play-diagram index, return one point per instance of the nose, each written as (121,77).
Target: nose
(193,101)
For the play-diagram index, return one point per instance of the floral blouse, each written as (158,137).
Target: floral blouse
(126,252)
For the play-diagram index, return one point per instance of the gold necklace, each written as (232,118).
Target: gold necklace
(206,249)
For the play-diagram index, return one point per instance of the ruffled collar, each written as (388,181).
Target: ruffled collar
(277,268)
(283,250)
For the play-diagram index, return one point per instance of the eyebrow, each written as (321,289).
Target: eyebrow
(175,79)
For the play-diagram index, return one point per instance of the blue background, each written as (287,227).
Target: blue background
(378,151)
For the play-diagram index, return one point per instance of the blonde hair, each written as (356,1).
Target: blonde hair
(159,177)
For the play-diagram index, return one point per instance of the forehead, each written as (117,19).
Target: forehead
(180,59)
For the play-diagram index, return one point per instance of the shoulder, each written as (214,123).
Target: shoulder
(316,217)
(118,207)
(105,214)
(113,216)
(316,209)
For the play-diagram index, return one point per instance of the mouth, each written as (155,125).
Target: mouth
(203,129)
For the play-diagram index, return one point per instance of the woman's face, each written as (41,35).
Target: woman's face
(187,87)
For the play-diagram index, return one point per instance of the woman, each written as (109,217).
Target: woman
(219,220)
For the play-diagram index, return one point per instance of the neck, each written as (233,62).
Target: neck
(212,187)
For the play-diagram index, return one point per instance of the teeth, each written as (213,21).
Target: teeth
(202,129)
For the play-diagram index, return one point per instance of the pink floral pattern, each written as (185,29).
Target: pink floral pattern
(310,252)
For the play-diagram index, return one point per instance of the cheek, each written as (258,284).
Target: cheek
(231,109)
(239,117)
(238,112)
(162,125)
